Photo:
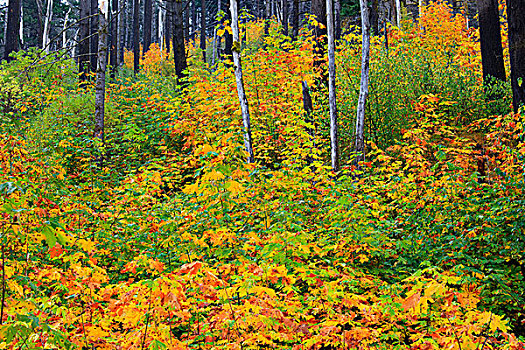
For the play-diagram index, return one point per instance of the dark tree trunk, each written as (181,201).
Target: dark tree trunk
(122,24)
(13,28)
(516,20)
(136,40)
(374,17)
(319,11)
(146,41)
(179,51)
(83,41)
(295,19)
(284,4)
(114,37)
(337,19)
(490,40)
(168,24)
(203,29)
(94,34)
(187,14)
(100,87)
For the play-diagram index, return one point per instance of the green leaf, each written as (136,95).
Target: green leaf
(50,235)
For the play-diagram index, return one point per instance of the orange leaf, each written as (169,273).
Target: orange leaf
(412,300)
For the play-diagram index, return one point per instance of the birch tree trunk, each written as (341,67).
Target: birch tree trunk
(334,144)
(363,91)
(236,50)
(100,87)
(64,29)
(47,25)
(398,13)
(160,28)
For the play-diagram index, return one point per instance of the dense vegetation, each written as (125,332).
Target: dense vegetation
(164,238)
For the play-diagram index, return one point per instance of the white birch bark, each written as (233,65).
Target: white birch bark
(160,32)
(334,144)
(238,77)
(398,13)
(21,33)
(420,8)
(47,25)
(100,87)
(64,30)
(363,91)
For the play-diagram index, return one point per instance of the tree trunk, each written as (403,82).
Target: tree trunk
(21,31)
(267,17)
(374,17)
(64,29)
(179,51)
(146,41)
(216,43)
(203,30)
(490,40)
(94,34)
(284,5)
(363,91)
(295,19)
(122,23)
(160,28)
(193,19)
(168,24)
(240,84)
(40,23)
(136,40)
(334,144)
(13,28)
(398,13)
(187,14)
(114,38)
(47,25)
(516,20)
(337,19)
(100,87)
(319,11)
(83,42)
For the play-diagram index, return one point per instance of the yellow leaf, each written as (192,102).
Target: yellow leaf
(234,187)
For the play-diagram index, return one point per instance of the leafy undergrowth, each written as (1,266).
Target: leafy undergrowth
(176,243)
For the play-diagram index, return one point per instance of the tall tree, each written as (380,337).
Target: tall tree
(295,19)
(203,30)
(239,79)
(193,19)
(136,40)
(363,91)
(40,29)
(334,143)
(114,37)
(490,41)
(13,28)
(319,11)
(516,20)
(179,51)
(148,11)
(122,24)
(168,24)
(284,6)
(83,40)
(94,34)
(47,25)
(100,87)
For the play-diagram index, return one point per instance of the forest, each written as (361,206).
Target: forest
(262,174)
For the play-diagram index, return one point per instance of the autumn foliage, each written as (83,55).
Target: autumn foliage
(176,243)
